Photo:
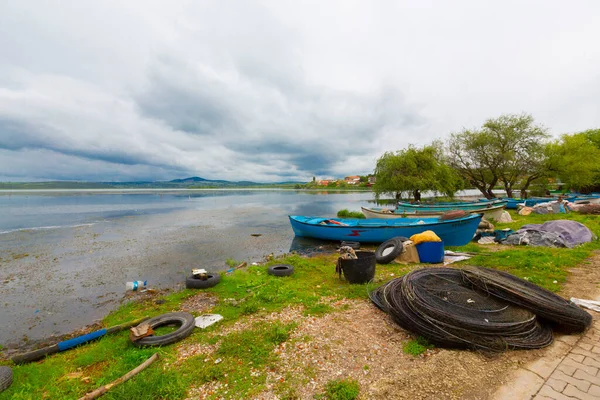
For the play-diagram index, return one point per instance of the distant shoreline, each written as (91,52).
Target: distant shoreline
(173,190)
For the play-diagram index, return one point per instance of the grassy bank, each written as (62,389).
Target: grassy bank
(238,356)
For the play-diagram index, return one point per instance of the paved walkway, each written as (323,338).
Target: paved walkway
(570,370)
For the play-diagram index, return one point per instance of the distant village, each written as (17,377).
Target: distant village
(353,180)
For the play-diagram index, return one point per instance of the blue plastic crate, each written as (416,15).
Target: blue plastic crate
(431,252)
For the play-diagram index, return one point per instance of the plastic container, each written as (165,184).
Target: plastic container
(136,285)
(360,270)
(431,252)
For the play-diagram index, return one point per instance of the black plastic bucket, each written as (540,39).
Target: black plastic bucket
(360,270)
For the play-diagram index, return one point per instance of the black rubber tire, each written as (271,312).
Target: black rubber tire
(6,378)
(354,245)
(185,320)
(192,282)
(281,270)
(397,248)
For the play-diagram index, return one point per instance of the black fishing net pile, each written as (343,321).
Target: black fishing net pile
(561,313)
(457,308)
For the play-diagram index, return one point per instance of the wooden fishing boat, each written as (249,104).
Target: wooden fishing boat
(471,206)
(494,211)
(454,232)
(514,203)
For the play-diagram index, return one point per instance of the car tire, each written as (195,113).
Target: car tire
(185,320)
(389,250)
(192,282)
(281,270)
(6,378)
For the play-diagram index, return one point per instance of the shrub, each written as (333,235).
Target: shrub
(416,346)
(341,390)
(350,214)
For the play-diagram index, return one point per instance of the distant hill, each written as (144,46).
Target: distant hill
(196,180)
(191,182)
(192,179)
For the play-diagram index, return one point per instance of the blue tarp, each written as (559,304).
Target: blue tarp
(559,233)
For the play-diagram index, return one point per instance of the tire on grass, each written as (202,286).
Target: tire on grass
(389,250)
(6,378)
(191,282)
(281,270)
(186,324)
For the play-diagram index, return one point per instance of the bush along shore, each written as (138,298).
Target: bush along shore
(242,356)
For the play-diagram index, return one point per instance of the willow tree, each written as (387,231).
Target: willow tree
(509,150)
(575,159)
(415,169)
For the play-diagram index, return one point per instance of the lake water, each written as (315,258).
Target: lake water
(65,256)
(66,208)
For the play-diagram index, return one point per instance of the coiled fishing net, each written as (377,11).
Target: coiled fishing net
(442,306)
(562,313)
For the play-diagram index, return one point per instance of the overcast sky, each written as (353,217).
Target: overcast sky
(277,90)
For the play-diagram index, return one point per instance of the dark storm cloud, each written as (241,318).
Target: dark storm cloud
(310,128)
(50,165)
(18,135)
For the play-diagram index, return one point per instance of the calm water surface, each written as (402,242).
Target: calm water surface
(54,209)
(65,255)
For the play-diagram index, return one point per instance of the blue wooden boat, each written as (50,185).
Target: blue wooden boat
(454,232)
(475,206)
(513,203)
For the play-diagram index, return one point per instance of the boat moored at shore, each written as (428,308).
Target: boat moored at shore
(454,232)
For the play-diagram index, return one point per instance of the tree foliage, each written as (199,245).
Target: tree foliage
(414,169)
(509,150)
(575,159)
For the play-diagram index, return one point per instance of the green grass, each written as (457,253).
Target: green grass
(350,214)
(341,390)
(417,346)
(243,357)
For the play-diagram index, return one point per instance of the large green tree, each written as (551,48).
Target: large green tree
(575,159)
(509,150)
(415,169)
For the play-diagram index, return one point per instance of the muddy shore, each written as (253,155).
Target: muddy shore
(59,280)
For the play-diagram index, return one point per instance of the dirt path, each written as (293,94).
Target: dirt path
(362,343)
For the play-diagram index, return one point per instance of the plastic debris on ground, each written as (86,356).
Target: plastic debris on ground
(200,273)
(207,320)
(409,254)
(136,285)
(142,330)
(505,218)
(450,257)
(427,236)
(586,208)
(591,304)
(492,236)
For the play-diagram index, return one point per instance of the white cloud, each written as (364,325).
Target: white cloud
(277,90)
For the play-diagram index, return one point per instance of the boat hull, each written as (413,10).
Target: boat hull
(456,232)
(494,212)
(476,206)
(514,203)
